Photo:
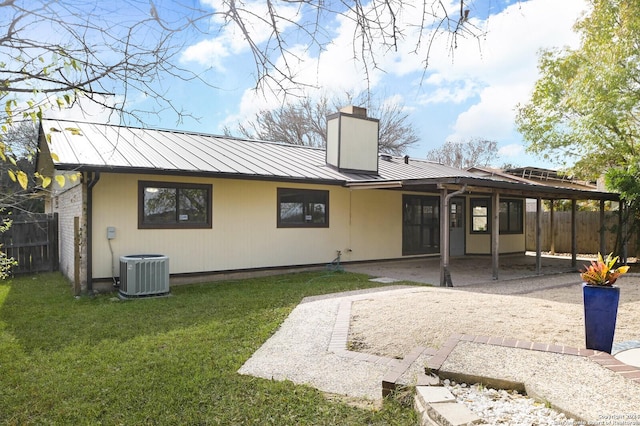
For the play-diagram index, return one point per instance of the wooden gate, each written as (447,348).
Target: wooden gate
(32,240)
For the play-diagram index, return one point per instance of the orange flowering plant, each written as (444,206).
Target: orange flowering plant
(602,272)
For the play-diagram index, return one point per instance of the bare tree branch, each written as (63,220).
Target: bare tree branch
(304,123)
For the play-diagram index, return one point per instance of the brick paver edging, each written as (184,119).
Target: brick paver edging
(604,359)
(390,382)
(338,345)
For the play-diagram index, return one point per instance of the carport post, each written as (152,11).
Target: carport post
(552,231)
(538,236)
(574,235)
(603,242)
(445,274)
(495,233)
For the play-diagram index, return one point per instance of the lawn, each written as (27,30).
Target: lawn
(173,360)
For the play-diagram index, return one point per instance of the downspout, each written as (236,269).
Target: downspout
(445,274)
(92,180)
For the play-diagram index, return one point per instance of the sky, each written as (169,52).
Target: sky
(467,92)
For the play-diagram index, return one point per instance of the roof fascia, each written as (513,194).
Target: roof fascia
(163,172)
(489,186)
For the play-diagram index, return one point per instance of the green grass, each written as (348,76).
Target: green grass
(167,360)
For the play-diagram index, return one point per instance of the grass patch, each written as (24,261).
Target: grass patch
(160,361)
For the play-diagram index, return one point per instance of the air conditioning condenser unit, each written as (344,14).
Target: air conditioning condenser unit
(144,275)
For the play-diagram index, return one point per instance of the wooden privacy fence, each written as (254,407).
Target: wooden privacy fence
(32,240)
(587,231)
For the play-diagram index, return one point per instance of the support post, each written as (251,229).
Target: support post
(574,235)
(495,234)
(538,236)
(622,223)
(552,227)
(603,242)
(445,274)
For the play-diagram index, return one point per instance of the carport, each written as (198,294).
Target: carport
(495,189)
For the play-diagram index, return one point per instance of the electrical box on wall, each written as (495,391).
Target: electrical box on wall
(111,232)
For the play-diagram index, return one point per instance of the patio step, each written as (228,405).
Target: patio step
(436,406)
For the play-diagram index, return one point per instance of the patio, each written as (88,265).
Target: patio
(468,270)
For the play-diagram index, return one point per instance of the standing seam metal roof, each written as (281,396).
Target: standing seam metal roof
(104,147)
(87,146)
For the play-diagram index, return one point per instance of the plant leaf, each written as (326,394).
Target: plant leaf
(60,179)
(23,179)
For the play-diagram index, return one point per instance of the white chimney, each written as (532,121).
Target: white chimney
(352,141)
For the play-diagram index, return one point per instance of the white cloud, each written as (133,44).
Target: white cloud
(495,72)
(211,52)
(449,92)
(230,39)
(511,151)
(84,109)
(507,68)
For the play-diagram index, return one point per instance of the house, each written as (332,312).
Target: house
(220,205)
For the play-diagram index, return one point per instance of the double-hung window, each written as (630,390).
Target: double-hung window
(174,205)
(303,208)
(480,215)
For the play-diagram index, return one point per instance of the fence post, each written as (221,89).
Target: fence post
(76,256)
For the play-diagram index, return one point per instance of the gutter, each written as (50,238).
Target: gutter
(92,180)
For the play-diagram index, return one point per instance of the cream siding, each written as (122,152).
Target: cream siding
(508,243)
(358,144)
(364,225)
(333,138)
(376,224)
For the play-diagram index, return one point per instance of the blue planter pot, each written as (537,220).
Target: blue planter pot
(600,313)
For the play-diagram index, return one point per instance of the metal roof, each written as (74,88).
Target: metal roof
(83,146)
(102,147)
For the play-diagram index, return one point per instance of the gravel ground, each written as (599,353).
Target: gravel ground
(298,351)
(391,323)
(572,384)
(394,325)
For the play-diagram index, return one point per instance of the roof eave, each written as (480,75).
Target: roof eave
(528,189)
(195,173)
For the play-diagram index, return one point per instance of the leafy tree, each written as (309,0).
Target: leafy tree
(305,123)
(474,152)
(20,143)
(584,108)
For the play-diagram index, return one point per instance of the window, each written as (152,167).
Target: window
(511,217)
(303,208)
(174,205)
(480,215)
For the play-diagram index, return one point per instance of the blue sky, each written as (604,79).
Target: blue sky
(468,93)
